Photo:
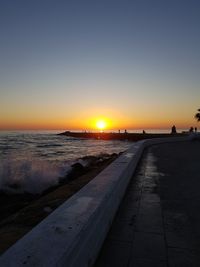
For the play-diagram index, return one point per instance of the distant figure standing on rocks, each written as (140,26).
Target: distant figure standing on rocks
(125,131)
(173,129)
(191,130)
(195,129)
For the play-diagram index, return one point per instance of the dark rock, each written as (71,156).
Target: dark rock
(77,170)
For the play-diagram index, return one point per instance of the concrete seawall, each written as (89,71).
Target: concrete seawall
(73,234)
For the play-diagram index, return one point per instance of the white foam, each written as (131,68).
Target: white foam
(31,175)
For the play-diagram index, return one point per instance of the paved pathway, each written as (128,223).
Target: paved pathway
(158,222)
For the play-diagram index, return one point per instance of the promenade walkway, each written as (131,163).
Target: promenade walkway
(158,221)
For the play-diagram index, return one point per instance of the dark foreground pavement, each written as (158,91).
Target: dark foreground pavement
(158,222)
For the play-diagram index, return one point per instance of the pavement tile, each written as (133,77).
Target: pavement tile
(150,208)
(149,188)
(122,230)
(179,231)
(182,240)
(176,221)
(114,254)
(149,218)
(147,263)
(131,203)
(149,168)
(132,196)
(135,184)
(150,198)
(128,208)
(183,258)
(149,223)
(148,180)
(148,245)
(125,213)
(172,205)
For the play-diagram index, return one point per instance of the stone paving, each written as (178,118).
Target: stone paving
(158,221)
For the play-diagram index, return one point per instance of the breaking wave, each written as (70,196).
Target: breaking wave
(34,161)
(30,175)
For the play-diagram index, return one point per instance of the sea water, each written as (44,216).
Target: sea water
(32,161)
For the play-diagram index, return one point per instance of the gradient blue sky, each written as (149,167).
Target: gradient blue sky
(64,63)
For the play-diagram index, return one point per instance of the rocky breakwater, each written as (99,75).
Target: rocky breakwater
(118,136)
(21,212)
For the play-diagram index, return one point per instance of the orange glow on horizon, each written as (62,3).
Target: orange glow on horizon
(83,121)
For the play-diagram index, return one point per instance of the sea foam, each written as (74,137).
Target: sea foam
(30,175)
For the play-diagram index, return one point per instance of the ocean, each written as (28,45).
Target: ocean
(32,161)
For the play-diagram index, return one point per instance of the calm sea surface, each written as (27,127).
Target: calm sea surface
(32,160)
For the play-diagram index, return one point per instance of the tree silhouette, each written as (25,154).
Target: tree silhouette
(197,115)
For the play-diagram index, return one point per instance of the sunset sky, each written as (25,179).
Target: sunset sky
(65,64)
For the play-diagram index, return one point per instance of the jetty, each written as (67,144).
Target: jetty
(118,136)
(142,210)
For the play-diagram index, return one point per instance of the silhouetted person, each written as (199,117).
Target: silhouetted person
(119,131)
(143,132)
(195,129)
(125,131)
(173,131)
(191,130)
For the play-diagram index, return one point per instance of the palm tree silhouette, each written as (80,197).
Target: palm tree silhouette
(197,115)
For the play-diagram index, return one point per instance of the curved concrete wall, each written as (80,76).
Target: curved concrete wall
(72,235)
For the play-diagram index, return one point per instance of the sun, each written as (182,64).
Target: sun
(101,124)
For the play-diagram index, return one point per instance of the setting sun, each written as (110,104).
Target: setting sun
(101,124)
